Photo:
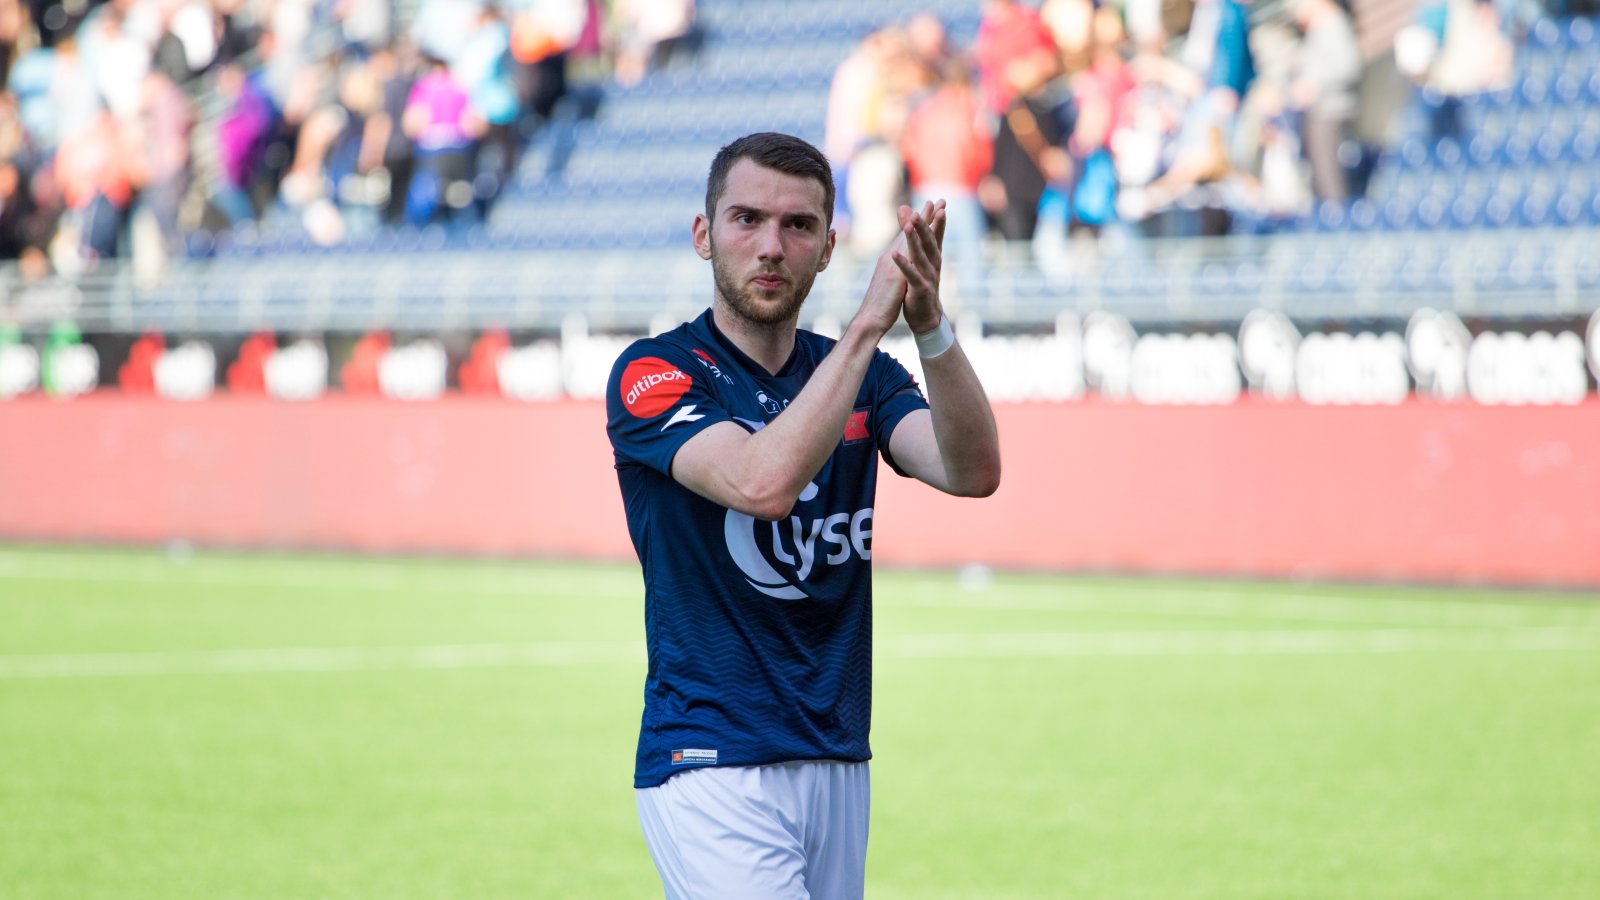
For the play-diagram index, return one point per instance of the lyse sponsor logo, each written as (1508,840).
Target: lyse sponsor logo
(843,532)
(796,543)
(694,757)
(706,360)
(855,428)
(650,386)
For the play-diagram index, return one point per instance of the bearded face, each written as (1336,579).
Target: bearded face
(746,295)
(767,242)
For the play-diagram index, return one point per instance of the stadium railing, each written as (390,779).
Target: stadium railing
(1310,277)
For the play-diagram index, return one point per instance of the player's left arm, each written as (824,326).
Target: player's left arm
(954,445)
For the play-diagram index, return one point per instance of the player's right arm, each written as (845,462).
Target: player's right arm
(761,474)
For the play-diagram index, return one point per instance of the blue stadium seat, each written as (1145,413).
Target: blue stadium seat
(1536,210)
(1498,211)
(1581,32)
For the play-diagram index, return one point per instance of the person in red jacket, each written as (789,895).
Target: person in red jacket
(948,152)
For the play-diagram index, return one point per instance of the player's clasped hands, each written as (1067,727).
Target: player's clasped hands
(923,237)
(907,276)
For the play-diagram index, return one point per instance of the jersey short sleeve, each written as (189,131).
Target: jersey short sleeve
(895,395)
(655,403)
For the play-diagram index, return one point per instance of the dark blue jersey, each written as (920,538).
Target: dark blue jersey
(759,633)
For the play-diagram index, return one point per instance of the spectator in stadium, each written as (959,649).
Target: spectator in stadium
(386,153)
(182,37)
(1324,91)
(116,56)
(97,168)
(1011,40)
(1217,52)
(365,26)
(545,34)
(241,138)
(16,209)
(1030,145)
(858,82)
(646,29)
(1100,93)
(17,36)
(929,46)
(444,129)
(948,151)
(1070,26)
(485,69)
(866,112)
(1453,50)
(162,130)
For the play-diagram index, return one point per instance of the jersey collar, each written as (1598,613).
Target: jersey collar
(708,323)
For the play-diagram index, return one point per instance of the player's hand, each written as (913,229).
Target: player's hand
(922,235)
(886,293)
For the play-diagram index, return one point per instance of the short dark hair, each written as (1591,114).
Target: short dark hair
(782,152)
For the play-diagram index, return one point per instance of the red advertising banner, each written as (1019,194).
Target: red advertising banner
(1419,491)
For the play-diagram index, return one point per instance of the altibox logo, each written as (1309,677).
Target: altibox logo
(651,385)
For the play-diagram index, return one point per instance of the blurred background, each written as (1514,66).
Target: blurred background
(1207,219)
(314,574)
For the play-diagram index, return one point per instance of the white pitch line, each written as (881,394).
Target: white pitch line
(1125,598)
(321,659)
(1237,643)
(1263,605)
(902,647)
(173,574)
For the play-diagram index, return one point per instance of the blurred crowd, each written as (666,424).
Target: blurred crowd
(142,128)
(1148,117)
(134,127)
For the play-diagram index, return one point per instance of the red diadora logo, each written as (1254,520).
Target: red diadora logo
(650,386)
(856,428)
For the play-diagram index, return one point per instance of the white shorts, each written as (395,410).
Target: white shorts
(790,830)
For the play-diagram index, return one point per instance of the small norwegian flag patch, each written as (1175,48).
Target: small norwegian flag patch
(855,429)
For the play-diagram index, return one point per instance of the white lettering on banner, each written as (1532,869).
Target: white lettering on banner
(74,370)
(1108,342)
(1512,368)
(187,372)
(298,371)
(19,370)
(1268,345)
(1176,368)
(1436,353)
(414,372)
(532,372)
(1013,367)
(1339,369)
(586,359)
(1594,344)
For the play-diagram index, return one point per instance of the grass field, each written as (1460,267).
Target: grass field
(238,726)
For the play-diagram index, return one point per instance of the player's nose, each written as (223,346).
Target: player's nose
(769,243)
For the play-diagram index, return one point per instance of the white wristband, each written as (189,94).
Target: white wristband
(933,343)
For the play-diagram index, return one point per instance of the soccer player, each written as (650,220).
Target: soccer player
(747,453)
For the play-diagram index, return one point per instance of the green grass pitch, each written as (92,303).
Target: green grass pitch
(264,726)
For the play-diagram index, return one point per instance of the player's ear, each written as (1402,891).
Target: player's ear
(827,249)
(702,236)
